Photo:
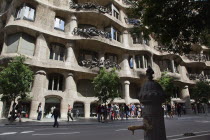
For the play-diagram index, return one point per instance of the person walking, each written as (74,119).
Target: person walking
(56,114)
(19,109)
(39,111)
(169,111)
(69,113)
(126,110)
(179,110)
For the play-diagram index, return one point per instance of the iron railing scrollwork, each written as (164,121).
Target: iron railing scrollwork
(135,22)
(196,57)
(99,63)
(90,32)
(128,2)
(89,6)
(200,77)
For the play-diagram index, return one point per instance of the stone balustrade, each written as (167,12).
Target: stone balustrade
(200,77)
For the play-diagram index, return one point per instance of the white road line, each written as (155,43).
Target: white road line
(121,129)
(56,134)
(191,137)
(8,133)
(26,132)
(174,135)
(49,128)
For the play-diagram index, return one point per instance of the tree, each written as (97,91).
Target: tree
(176,24)
(106,85)
(15,79)
(167,84)
(201,92)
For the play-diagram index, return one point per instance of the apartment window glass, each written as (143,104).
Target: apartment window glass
(116,35)
(55,82)
(115,12)
(25,12)
(137,39)
(59,24)
(57,52)
(21,43)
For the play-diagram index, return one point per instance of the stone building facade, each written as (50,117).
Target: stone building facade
(60,37)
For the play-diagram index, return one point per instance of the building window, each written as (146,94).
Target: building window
(165,65)
(137,39)
(57,52)
(87,56)
(142,61)
(111,57)
(21,43)
(55,82)
(59,24)
(115,12)
(114,33)
(131,62)
(25,12)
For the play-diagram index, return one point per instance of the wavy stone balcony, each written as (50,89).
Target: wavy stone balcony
(89,6)
(99,63)
(90,32)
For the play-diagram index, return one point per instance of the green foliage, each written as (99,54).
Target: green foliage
(15,79)
(201,92)
(106,85)
(167,84)
(177,24)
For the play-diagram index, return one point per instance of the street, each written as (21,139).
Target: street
(117,130)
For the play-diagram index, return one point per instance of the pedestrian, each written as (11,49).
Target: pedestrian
(19,109)
(126,110)
(39,111)
(56,114)
(69,113)
(169,111)
(179,110)
(99,113)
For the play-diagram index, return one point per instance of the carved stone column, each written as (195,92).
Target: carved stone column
(4,47)
(70,86)
(87,110)
(73,24)
(40,49)
(70,52)
(125,64)
(127,91)
(186,97)
(173,66)
(37,93)
(134,62)
(143,62)
(126,39)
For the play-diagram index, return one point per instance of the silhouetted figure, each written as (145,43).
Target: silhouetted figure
(56,114)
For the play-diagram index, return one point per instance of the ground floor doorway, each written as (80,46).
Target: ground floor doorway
(50,104)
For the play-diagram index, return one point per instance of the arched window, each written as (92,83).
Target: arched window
(55,82)
(57,52)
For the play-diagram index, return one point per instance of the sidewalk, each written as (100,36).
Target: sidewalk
(90,121)
(48,122)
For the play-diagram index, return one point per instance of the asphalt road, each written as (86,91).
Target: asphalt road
(175,128)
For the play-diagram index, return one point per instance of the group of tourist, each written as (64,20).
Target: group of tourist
(118,111)
(171,110)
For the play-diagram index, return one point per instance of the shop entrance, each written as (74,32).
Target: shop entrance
(50,104)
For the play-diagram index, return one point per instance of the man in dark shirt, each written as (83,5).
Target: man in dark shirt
(56,114)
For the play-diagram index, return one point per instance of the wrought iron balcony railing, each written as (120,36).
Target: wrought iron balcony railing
(196,57)
(200,77)
(89,6)
(132,21)
(99,63)
(128,2)
(90,32)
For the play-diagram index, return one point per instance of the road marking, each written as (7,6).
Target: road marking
(26,132)
(174,135)
(121,129)
(8,133)
(190,137)
(49,128)
(56,134)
